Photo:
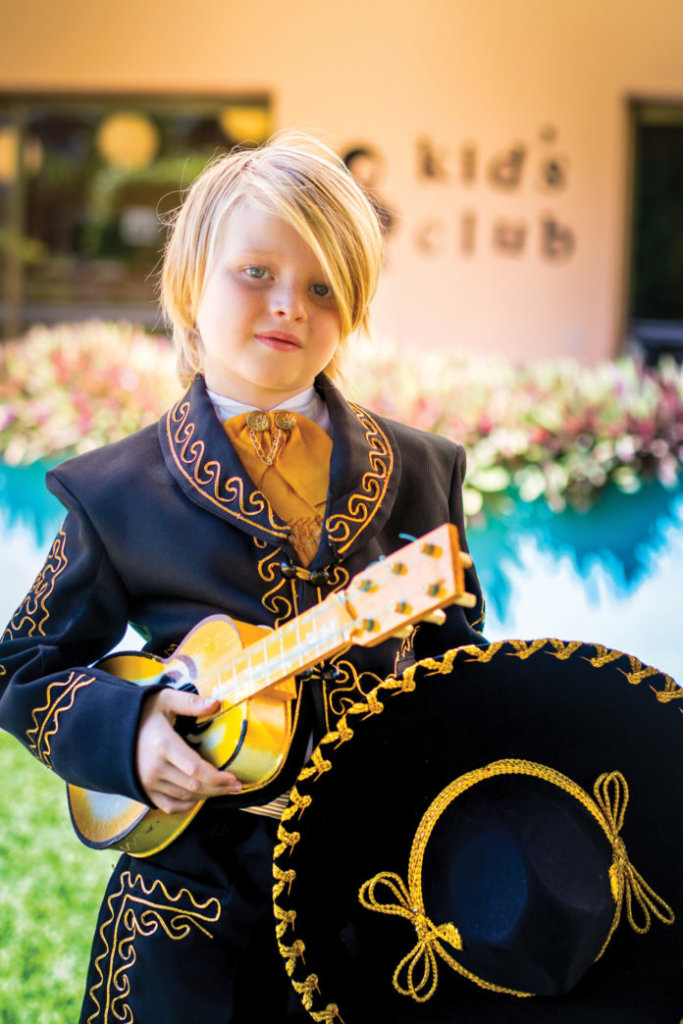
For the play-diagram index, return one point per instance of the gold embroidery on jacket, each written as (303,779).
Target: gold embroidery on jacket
(342,529)
(59,698)
(405,651)
(338,578)
(280,600)
(32,614)
(138,914)
(205,474)
(480,620)
(349,688)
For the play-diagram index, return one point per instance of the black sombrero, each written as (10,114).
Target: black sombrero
(495,837)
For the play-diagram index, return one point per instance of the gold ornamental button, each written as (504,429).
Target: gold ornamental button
(285,420)
(258,421)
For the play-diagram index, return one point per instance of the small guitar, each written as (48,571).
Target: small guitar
(252,669)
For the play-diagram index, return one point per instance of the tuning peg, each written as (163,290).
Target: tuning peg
(437,617)
(433,550)
(465,560)
(434,589)
(403,633)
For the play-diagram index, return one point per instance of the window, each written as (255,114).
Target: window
(84,181)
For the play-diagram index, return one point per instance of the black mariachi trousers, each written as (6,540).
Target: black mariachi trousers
(188,934)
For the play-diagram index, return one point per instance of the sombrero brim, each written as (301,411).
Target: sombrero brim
(579,708)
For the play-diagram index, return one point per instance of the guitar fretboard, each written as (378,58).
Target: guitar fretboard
(305,641)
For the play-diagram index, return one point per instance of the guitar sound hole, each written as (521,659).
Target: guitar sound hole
(180,675)
(173,681)
(185,725)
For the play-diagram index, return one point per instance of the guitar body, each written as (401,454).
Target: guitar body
(251,670)
(251,737)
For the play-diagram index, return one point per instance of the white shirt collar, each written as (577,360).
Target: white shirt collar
(307,403)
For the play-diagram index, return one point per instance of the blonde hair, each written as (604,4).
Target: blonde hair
(301,180)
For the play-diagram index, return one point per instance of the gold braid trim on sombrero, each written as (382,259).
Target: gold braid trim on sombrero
(417,973)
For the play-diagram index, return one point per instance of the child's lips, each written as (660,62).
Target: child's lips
(280,340)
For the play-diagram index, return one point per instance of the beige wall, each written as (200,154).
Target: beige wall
(478,75)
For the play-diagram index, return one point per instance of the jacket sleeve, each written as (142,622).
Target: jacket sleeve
(78,720)
(463,625)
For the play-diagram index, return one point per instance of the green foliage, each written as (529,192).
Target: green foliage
(50,890)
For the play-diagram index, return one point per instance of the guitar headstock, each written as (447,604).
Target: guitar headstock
(408,586)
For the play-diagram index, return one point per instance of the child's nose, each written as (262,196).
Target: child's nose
(288,304)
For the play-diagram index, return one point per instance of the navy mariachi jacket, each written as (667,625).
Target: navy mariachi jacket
(163,529)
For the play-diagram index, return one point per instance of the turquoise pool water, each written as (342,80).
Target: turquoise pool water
(611,576)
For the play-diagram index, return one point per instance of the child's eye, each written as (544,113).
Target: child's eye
(259,273)
(322,291)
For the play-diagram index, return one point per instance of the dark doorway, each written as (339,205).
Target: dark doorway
(655,312)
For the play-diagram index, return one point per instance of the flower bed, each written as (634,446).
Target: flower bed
(549,430)
(74,387)
(554,430)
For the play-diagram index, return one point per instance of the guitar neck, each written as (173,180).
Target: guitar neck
(389,595)
(307,640)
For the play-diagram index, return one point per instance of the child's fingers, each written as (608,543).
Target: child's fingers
(179,702)
(199,775)
(189,769)
(175,791)
(173,775)
(174,786)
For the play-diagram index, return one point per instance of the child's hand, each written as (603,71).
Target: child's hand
(173,775)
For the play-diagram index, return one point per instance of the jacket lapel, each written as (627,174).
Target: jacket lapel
(364,474)
(201,459)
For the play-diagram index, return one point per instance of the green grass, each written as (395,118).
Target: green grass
(50,890)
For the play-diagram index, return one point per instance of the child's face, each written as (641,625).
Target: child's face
(267,319)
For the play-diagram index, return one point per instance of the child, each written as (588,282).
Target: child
(257,495)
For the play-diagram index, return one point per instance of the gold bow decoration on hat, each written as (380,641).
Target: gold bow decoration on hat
(428,936)
(611,796)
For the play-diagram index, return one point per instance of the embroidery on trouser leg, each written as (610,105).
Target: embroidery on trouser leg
(137,911)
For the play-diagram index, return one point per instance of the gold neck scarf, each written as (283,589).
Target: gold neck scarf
(287,457)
